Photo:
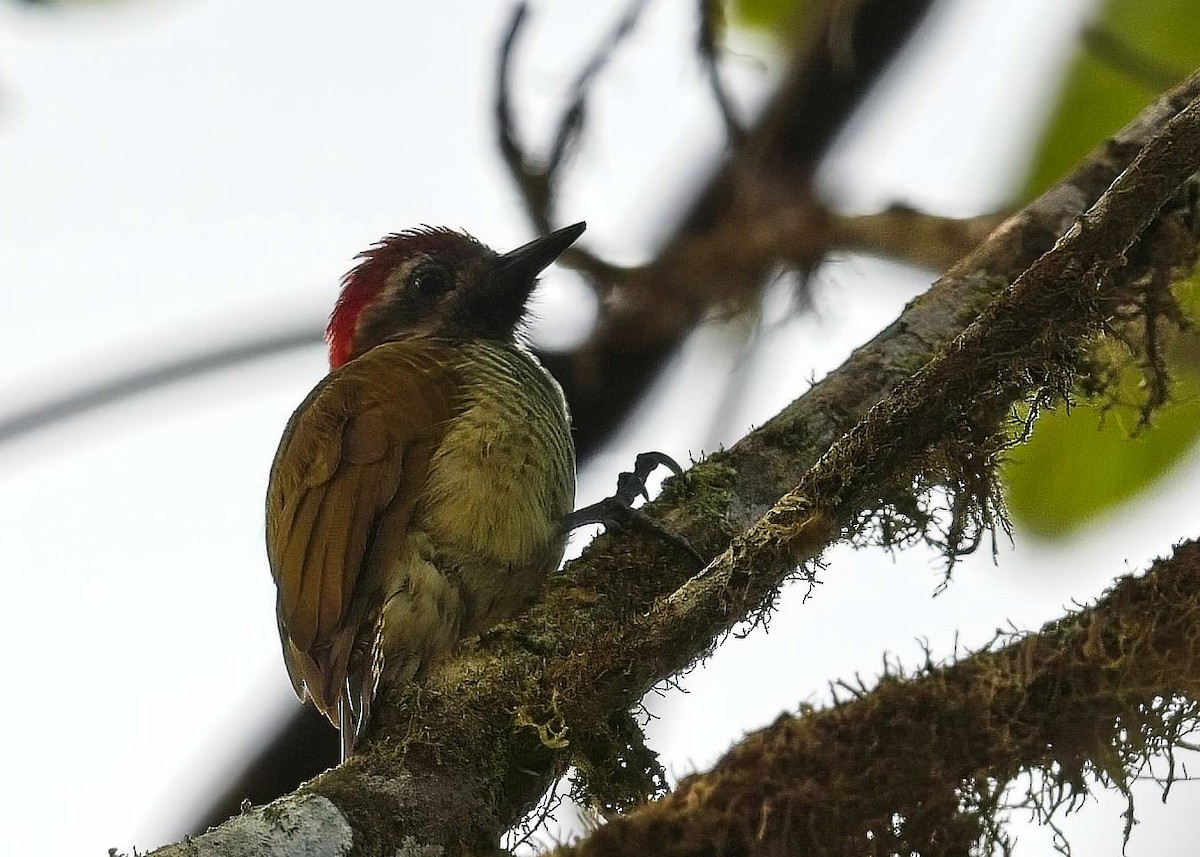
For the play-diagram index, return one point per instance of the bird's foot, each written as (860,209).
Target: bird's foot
(613,512)
(617,513)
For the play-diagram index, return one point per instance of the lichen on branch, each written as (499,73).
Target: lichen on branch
(919,763)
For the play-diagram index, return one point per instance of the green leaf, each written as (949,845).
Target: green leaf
(1130,52)
(783,19)
(1081,465)
(1086,460)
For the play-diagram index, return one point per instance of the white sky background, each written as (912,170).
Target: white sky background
(176,174)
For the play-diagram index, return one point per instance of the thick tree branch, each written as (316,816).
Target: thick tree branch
(1096,692)
(1027,339)
(460,759)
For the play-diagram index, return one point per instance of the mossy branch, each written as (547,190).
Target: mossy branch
(1025,344)
(447,766)
(918,764)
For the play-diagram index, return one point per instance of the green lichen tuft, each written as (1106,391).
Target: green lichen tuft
(615,770)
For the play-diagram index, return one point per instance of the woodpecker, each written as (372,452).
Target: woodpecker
(419,492)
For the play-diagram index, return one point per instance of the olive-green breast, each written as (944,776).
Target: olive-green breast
(504,475)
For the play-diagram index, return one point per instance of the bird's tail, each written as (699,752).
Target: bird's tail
(361,672)
(347,727)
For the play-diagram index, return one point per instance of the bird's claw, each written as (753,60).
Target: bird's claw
(617,513)
(630,485)
(647,462)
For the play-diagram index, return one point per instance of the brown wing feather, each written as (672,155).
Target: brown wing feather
(355,454)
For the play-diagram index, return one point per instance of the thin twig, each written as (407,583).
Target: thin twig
(532,182)
(537,184)
(571,123)
(711,22)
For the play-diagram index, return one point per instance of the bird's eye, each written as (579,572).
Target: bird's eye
(430,280)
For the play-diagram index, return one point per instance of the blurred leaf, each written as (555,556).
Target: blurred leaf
(1079,466)
(1085,463)
(783,19)
(1130,52)
(1082,463)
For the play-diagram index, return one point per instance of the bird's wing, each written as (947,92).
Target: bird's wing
(353,457)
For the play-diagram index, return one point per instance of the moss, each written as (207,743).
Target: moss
(551,728)
(615,770)
(928,761)
(789,435)
(705,491)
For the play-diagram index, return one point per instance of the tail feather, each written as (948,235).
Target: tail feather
(361,671)
(346,726)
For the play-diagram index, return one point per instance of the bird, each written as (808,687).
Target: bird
(418,493)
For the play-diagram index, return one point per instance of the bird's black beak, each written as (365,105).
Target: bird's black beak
(526,262)
(512,279)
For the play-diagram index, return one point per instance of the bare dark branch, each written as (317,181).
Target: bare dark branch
(533,183)
(112,390)
(538,183)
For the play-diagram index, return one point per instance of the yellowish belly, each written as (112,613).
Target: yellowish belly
(499,485)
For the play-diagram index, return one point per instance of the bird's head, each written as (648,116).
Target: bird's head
(437,282)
